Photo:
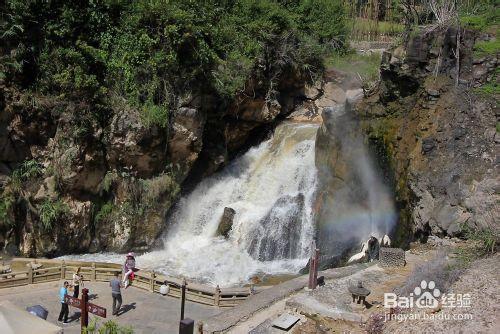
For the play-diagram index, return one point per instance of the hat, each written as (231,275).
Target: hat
(131,254)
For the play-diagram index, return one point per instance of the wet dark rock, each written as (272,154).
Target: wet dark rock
(373,248)
(226,222)
(428,144)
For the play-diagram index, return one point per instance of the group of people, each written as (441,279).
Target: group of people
(116,284)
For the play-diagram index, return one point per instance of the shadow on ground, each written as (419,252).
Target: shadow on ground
(126,308)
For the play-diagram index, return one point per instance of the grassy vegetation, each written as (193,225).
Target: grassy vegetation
(482,15)
(482,242)
(153,189)
(366,65)
(484,48)
(488,89)
(360,28)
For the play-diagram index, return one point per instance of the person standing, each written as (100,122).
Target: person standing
(116,293)
(63,315)
(77,282)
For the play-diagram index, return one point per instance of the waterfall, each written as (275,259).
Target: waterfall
(271,188)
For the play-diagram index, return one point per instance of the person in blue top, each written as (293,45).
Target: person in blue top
(63,315)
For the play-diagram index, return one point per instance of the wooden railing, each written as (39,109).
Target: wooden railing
(103,272)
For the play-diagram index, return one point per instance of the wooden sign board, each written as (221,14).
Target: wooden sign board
(97,310)
(72,301)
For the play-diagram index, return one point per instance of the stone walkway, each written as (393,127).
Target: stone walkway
(231,317)
(146,312)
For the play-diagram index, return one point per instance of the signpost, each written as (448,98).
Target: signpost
(86,307)
(186,326)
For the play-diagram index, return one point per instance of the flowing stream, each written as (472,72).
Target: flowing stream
(271,188)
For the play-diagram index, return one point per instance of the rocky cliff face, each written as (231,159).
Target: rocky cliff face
(74,182)
(436,136)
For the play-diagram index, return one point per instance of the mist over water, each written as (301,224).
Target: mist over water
(356,203)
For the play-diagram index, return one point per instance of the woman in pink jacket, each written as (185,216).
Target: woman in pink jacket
(128,268)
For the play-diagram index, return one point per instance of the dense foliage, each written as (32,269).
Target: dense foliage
(151,53)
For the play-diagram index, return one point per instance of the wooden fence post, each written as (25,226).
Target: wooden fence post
(93,273)
(200,327)
(30,274)
(217,296)
(63,269)
(152,281)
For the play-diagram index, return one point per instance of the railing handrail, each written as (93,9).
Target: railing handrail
(103,271)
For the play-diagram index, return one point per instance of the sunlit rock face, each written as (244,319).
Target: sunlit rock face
(436,137)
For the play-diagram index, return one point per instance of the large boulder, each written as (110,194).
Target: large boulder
(226,222)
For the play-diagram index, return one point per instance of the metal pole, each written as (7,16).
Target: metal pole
(84,318)
(183,298)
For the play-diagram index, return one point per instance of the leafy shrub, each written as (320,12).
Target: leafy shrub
(27,170)
(6,205)
(104,214)
(155,188)
(151,52)
(155,115)
(50,212)
(108,180)
(109,327)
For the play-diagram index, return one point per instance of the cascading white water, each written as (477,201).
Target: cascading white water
(271,188)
